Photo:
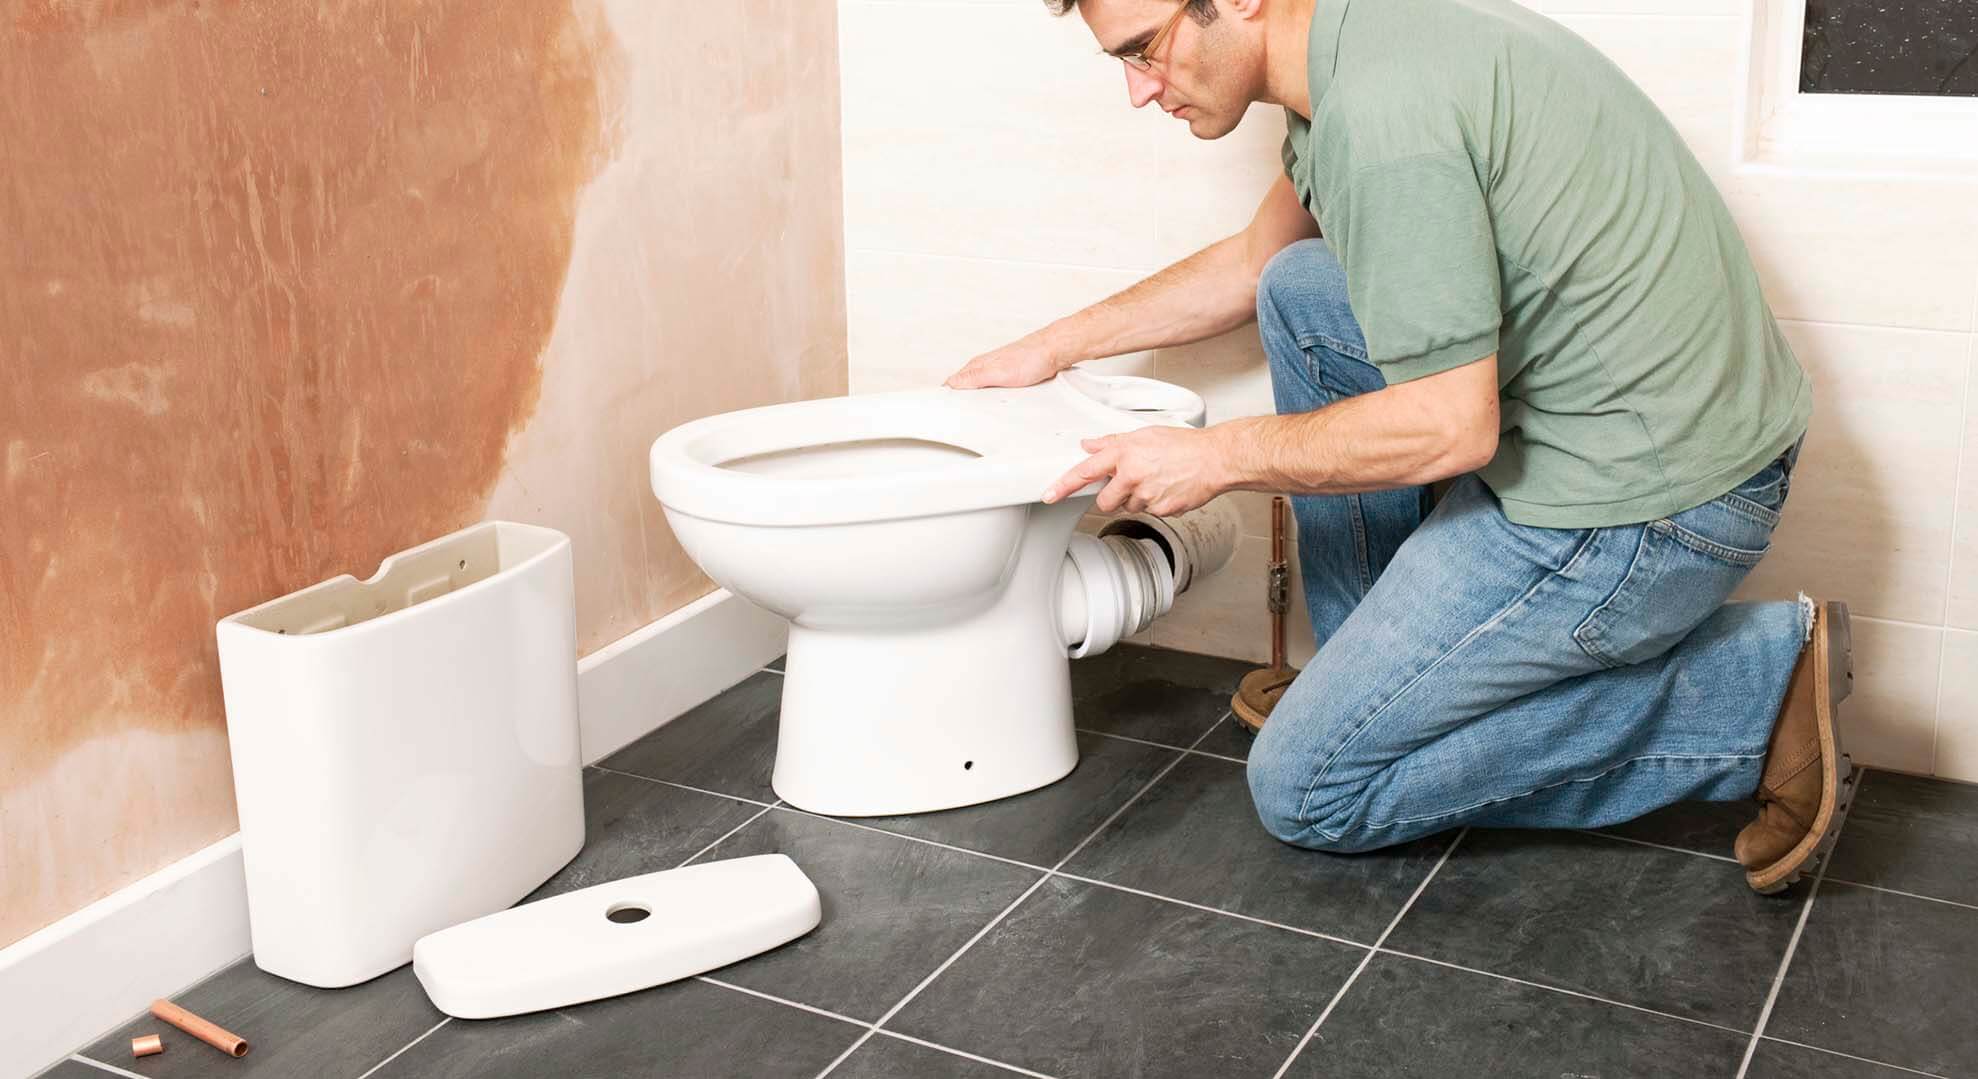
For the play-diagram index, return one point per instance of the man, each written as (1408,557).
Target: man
(1525,284)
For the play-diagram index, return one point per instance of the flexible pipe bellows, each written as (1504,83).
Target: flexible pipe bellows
(1116,583)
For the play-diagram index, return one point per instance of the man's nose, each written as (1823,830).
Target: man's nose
(1142,86)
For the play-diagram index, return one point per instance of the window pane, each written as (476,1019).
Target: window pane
(1890,47)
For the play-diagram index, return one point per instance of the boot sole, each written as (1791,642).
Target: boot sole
(1249,719)
(1834,667)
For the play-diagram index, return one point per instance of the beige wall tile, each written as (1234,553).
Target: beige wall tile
(1860,249)
(1962,604)
(1038,157)
(1640,7)
(1690,67)
(1891,719)
(914,319)
(1957,708)
(1224,614)
(1869,517)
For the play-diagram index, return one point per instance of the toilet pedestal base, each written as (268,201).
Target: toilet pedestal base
(919,720)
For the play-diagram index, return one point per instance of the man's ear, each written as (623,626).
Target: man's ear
(1243,9)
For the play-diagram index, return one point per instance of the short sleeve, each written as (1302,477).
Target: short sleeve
(1414,237)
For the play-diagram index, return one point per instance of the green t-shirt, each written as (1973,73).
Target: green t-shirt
(1492,183)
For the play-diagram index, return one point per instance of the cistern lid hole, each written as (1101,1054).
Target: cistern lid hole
(626,913)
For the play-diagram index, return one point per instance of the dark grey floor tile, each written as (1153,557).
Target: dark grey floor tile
(1886,977)
(1153,693)
(727,744)
(634,826)
(1230,739)
(1704,827)
(1195,836)
(1087,981)
(1404,1017)
(1655,928)
(688,1028)
(894,909)
(775,664)
(292,1030)
(70,1069)
(1777,1060)
(1913,835)
(890,1058)
(1042,826)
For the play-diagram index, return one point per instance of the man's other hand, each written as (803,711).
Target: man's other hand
(1023,363)
(1157,470)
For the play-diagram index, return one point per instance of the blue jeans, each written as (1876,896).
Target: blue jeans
(1472,671)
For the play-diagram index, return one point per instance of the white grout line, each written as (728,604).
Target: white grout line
(1906,895)
(1369,957)
(1851,1056)
(1657,846)
(1786,961)
(979,934)
(797,1004)
(681,786)
(1950,568)
(957,1052)
(1164,745)
(768,670)
(1215,910)
(1566,992)
(914,838)
(94,1063)
(756,816)
(1018,901)
(868,1027)
(406,1046)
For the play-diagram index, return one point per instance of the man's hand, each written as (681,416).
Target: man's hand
(1022,363)
(1157,470)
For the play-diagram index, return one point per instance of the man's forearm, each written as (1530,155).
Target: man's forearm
(1210,292)
(1406,435)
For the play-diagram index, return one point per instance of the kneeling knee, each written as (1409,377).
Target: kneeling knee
(1285,806)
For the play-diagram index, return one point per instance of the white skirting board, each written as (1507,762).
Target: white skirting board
(70,982)
(657,672)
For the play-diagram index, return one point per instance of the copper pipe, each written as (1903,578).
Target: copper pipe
(224,1040)
(1279,580)
(147,1045)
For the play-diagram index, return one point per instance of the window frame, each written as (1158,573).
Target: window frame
(1860,133)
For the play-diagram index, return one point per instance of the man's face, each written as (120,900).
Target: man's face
(1192,76)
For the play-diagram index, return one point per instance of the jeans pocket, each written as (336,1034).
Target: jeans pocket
(1764,494)
(1684,568)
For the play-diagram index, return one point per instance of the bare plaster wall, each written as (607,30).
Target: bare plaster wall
(287,287)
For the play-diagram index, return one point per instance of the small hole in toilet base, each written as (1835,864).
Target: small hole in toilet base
(627,913)
(966,765)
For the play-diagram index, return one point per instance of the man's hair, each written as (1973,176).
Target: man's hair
(1204,11)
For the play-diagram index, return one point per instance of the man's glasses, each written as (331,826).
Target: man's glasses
(1143,58)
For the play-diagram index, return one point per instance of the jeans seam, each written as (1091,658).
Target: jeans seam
(1736,556)
(1585,638)
(1318,780)
(1757,511)
(1348,349)
(1364,566)
(1683,757)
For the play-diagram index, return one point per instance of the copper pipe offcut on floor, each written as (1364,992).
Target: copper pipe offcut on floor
(147,1045)
(206,1031)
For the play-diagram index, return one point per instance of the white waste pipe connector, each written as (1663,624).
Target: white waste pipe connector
(1115,584)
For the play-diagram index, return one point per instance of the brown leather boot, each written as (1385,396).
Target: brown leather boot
(1808,783)
(1257,694)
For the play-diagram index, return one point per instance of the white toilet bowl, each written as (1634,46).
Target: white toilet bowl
(932,599)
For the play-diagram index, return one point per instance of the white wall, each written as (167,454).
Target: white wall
(985,197)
